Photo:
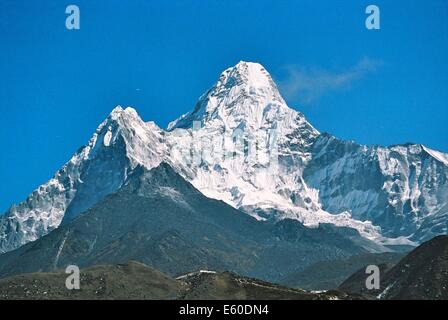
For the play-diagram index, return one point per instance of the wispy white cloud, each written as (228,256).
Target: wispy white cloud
(308,84)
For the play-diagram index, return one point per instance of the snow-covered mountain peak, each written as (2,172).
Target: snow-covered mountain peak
(116,111)
(244,96)
(250,75)
(124,116)
(142,140)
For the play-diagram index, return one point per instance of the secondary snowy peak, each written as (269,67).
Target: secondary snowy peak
(119,144)
(143,140)
(402,188)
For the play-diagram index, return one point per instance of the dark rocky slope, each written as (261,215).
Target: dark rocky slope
(422,274)
(161,220)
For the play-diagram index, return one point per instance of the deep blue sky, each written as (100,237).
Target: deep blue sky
(56,86)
